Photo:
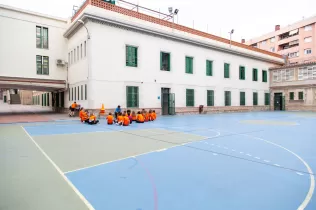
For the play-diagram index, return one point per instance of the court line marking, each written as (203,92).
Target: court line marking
(141,154)
(311,173)
(82,198)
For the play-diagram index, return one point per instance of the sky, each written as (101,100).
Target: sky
(248,18)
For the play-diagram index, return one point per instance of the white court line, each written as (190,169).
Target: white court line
(267,161)
(146,153)
(241,152)
(277,165)
(299,173)
(214,154)
(233,150)
(161,150)
(84,200)
(257,158)
(249,155)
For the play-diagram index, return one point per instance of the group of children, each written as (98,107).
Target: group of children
(123,119)
(88,117)
(127,117)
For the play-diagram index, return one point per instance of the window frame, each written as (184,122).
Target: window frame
(267,99)
(42,66)
(255,98)
(129,62)
(189,64)
(129,104)
(308,50)
(242,72)
(254,74)
(42,37)
(309,39)
(226,70)
(161,61)
(210,97)
(301,95)
(242,98)
(209,68)
(308,27)
(264,76)
(292,95)
(227,94)
(189,102)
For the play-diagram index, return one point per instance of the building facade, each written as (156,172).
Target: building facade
(116,56)
(297,41)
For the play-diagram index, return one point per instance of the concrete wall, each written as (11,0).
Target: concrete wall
(18,44)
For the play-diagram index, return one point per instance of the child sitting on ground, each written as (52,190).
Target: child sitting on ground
(93,120)
(154,115)
(109,119)
(139,118)
(150,116)
(146,116)
(130,117)
(126,121)
(133,116)
(120,119)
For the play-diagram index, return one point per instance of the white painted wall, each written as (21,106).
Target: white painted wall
(18,44)
(110,76)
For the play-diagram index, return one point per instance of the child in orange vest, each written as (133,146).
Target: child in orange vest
(110,119)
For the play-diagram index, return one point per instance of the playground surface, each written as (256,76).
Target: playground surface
(240,161)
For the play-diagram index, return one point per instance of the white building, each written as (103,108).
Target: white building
(122,57)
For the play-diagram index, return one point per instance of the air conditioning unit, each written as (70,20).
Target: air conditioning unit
(60,62)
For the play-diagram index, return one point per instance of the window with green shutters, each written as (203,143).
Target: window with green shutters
(242,73)
(300,95)
(291,95)
(209,68)
(42,65)
(255,99)
(81,92)
(189,65)
(226,70)
(72,94)
(264,76)
(132,96)
(254,74)
(86,92)
(41,37)
(75,93)
(165,61)
(227,98)
(210,98)
(47,99)
(39,64)
(242,98)
(190,97)
(131,56)
(44,99)
(267,99)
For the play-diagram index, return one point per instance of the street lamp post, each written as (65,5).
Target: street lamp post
(230,37)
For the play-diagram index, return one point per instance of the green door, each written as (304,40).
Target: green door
(172,108)
(5,99)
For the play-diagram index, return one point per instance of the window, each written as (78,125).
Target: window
(81,51)
(72,57)
(264,42)
(132,96)
(255,99)
(81,92)
(42,65)
(69,58)
(226,70)
(189,97)
(78,93)
(75,93)
(72,94)
(300,95)
(188,65)
(308,39)
(85,48)
(41,37)
(210,98)
(131,56)
(272,49)
(85,92)
(242,73)
(77,53)
(308,51)
(306,73)
(308,28)
(254,74)
(227,98)
(242,98)
(267,99)
(164,61)
(264,76)
(209,68)
(291,95)
(69,94)
(293,54)
(272,39)
(283,75)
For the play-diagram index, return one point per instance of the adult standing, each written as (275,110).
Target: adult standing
(117,110)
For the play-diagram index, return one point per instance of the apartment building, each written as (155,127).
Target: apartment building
(297,41)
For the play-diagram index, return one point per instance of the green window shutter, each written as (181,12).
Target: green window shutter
(242,98)
(161,67)
(45,38)
(300,95)
(132,97)
(227,98)
(291,95)
(86,92)
(81,92)
(254,74)
(264,76)
(267,99)
(131,56)
(255,99)
(226,70)
(135,55)
(210,98)
(169,63)
(189,65)
(39,66)
(47,99)
(46,65)
(189,97)
(242,75)
(209,68)
(38,37)
(75,98)
(42,100)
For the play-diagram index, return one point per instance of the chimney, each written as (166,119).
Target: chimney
(277,27)
(243,41)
